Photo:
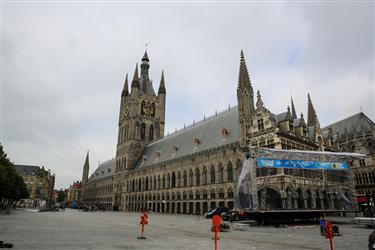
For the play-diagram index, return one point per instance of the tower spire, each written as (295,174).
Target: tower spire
(162,84)
(294,113)
(243,78)
(145,56)
(135,82)
(312,118)
(125,91)
(86,167)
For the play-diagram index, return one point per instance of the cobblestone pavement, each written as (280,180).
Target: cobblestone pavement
(115,230)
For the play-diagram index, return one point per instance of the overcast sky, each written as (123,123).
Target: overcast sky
(64,65)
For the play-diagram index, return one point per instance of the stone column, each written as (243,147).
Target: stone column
(304,196)
(295,198)
(283,196)
(313,200)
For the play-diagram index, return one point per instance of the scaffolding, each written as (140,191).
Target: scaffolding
(246,193)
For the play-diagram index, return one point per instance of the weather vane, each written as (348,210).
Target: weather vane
(146,44)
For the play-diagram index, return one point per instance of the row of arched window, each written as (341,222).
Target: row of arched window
(123,133)
(184,178)
(120,164)
(185,195)
(144,132)
(150,132)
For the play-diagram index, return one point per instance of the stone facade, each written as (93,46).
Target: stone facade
(73,194)
(98,189)
(195,168)
(356,134)
(40,184)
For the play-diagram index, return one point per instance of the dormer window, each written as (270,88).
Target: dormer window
(260,125)
(196,142)
(304,131)
(224,133)
(174,149)
(158,154)
(291,126)
(144,158)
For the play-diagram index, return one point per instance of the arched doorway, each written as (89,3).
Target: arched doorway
(269,198)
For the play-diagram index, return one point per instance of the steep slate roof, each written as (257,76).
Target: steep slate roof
(296,122)
(357,123)
(105,169)
(208,132)
(281,117)
(26,169)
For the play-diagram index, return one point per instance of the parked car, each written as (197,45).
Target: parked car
(371,241)
(216,211)
(234,215)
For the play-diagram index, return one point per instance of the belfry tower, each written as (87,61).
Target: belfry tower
(142,116)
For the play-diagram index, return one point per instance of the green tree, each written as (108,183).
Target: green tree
(61,196)
(12,185)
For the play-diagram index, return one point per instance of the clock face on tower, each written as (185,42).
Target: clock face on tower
(148,109)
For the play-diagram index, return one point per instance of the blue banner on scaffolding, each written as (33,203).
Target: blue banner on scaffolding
(274,163)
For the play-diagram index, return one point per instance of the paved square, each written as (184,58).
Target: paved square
(73,229)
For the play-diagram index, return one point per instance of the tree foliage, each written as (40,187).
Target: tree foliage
(61,196)
(12,185)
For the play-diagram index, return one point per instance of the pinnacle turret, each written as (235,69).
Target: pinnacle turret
(135,82)
(145,57)
(243,78)
(259,103)
(312,118)
(294,113)
(162,84)
(125,91)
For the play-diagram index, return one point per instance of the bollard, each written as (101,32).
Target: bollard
(216,220)
(329,233)
(143,222)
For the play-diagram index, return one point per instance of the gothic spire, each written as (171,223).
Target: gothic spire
(145,57)
(135,82)
(125,91)
(312,118)
(86,166)
(243,78)
(162,84)
(294,113)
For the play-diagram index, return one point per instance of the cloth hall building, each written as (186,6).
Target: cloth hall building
(195,169)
